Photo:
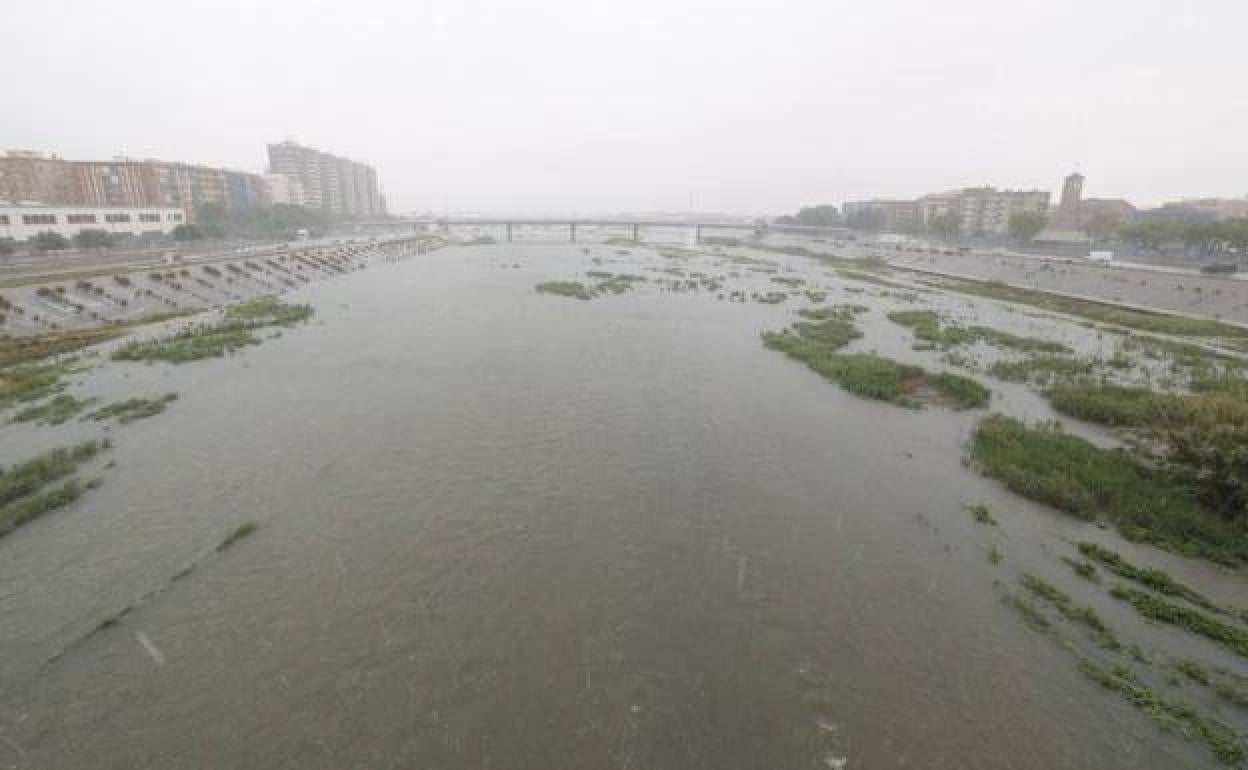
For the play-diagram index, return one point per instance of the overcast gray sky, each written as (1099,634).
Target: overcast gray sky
(581,105)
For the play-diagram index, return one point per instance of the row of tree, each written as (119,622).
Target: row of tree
(51,241)
(281,221)
(1211,239)
(1202,237)
(823,216)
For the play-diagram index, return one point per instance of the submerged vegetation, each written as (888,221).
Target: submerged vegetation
(189,344)
(133,408)
(608,283)
(26,489)
(769,297)
(1085,616)
(927,327)
(1042,369)
(574,289)
(233,332)
(1155,608)
(1045,464)
(816,343)
(1172,716)
(31,382)
(238,533)
(982,514)
(1155,579)
(618,284)
(24,350)
(1223,741)
(843,312)
(810,339)
(54,411)
(268,310)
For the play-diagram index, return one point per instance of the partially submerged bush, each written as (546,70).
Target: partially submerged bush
(1213,459)
(1042,369)
(1046,464)
(233,332)
(574,289)
(1203,435)
(133,408)
(927,326)
(24,492)
(238,533)
(815,343)
(54,411)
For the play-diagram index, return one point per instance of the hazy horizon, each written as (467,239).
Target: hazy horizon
(587,106)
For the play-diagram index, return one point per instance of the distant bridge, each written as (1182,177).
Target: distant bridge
(632,226)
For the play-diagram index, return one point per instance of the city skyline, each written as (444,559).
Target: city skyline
(745,106)
(295,174)
(285,179)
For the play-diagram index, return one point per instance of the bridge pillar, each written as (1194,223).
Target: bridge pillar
(508,226)
(636,232)
(572,232)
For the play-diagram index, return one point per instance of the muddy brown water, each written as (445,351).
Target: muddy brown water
(499,529)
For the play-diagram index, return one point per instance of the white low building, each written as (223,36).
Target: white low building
(23,221)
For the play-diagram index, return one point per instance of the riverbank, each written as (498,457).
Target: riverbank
(98,296)
(1190,294)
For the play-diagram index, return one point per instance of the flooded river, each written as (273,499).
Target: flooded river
(502,529)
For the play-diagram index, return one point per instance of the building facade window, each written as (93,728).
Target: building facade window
(4,219)
(81,219)
(38,219)
(116,218)
(175,217)
(149,217)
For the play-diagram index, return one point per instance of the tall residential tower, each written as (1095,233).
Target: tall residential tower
(338,185)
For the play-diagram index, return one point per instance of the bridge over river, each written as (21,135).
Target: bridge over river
(633,227)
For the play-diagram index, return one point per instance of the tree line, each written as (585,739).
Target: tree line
(1206,238)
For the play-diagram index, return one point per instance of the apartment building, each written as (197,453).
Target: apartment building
(895,215)
(26,175)
(982,210)
(335,184)
(31,177)
(979,210)
(285,189)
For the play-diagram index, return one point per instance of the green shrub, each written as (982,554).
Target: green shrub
(54,411)
(1047,465)
(1042,369)
(22,487)
(133,408)
(1213,459)
(816,344)
(927,327)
